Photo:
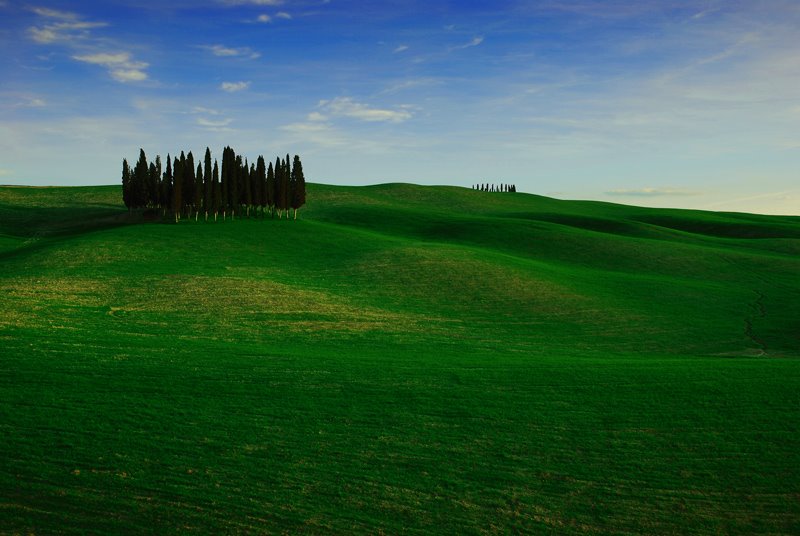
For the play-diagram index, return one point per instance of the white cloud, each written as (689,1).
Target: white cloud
(228,52)
(128,75)
(347,107)
(473,43)
(213,124)
(652,192)
(43,35)
(264,18)
(105,59)
(63,26)
(411,83)
(75,33)
(704,13)
(401,48)
(54,13)
(306,127)
(316,116)
(283,15)
(63,31)
(232,87)
(120,65)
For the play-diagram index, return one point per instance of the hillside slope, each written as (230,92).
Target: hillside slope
(401,358)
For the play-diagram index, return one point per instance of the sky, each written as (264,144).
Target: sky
(679,103)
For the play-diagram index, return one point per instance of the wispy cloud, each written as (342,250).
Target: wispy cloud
(263,18)
(347,107)
(401,48)
(72,31)
(411,83)
(120,65)
(16,100)
(204,110)
(34,102)
(704,13)
(652,192)
(223,51)
(54,13)
(213,125)
(473,43)
(68,31)
(232,87)
(62,26)
(283,15)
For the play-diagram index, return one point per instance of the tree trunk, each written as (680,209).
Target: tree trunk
(295,213)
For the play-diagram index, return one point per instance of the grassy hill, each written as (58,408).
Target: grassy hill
(401,359)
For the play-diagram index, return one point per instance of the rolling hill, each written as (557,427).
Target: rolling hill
(401,359)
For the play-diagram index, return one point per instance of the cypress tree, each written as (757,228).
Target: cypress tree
(233,198)
(283,198)
(225,182)
(126,184)
(271,189)
(217,190)
(253,179)
(207,183)
(261,183)
(287,185)
(299,185)
(155,194)
(198,190)
(278,185)
(141,175)
(188,184)
(152,183)
(166,188)
(177,187)
(247,195)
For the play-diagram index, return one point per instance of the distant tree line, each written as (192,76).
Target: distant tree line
(495,188)
(235,188)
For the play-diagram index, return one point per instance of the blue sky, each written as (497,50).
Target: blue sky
(662,103)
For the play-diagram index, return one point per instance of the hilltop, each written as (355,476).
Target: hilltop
(400,358)
(543,273)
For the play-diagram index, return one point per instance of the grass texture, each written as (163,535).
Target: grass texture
(400,360)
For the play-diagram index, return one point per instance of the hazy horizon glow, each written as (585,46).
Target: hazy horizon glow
(686,103)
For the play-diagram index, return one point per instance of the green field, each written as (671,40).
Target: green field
(400,360)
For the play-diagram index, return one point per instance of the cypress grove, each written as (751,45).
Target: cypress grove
(234,187)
